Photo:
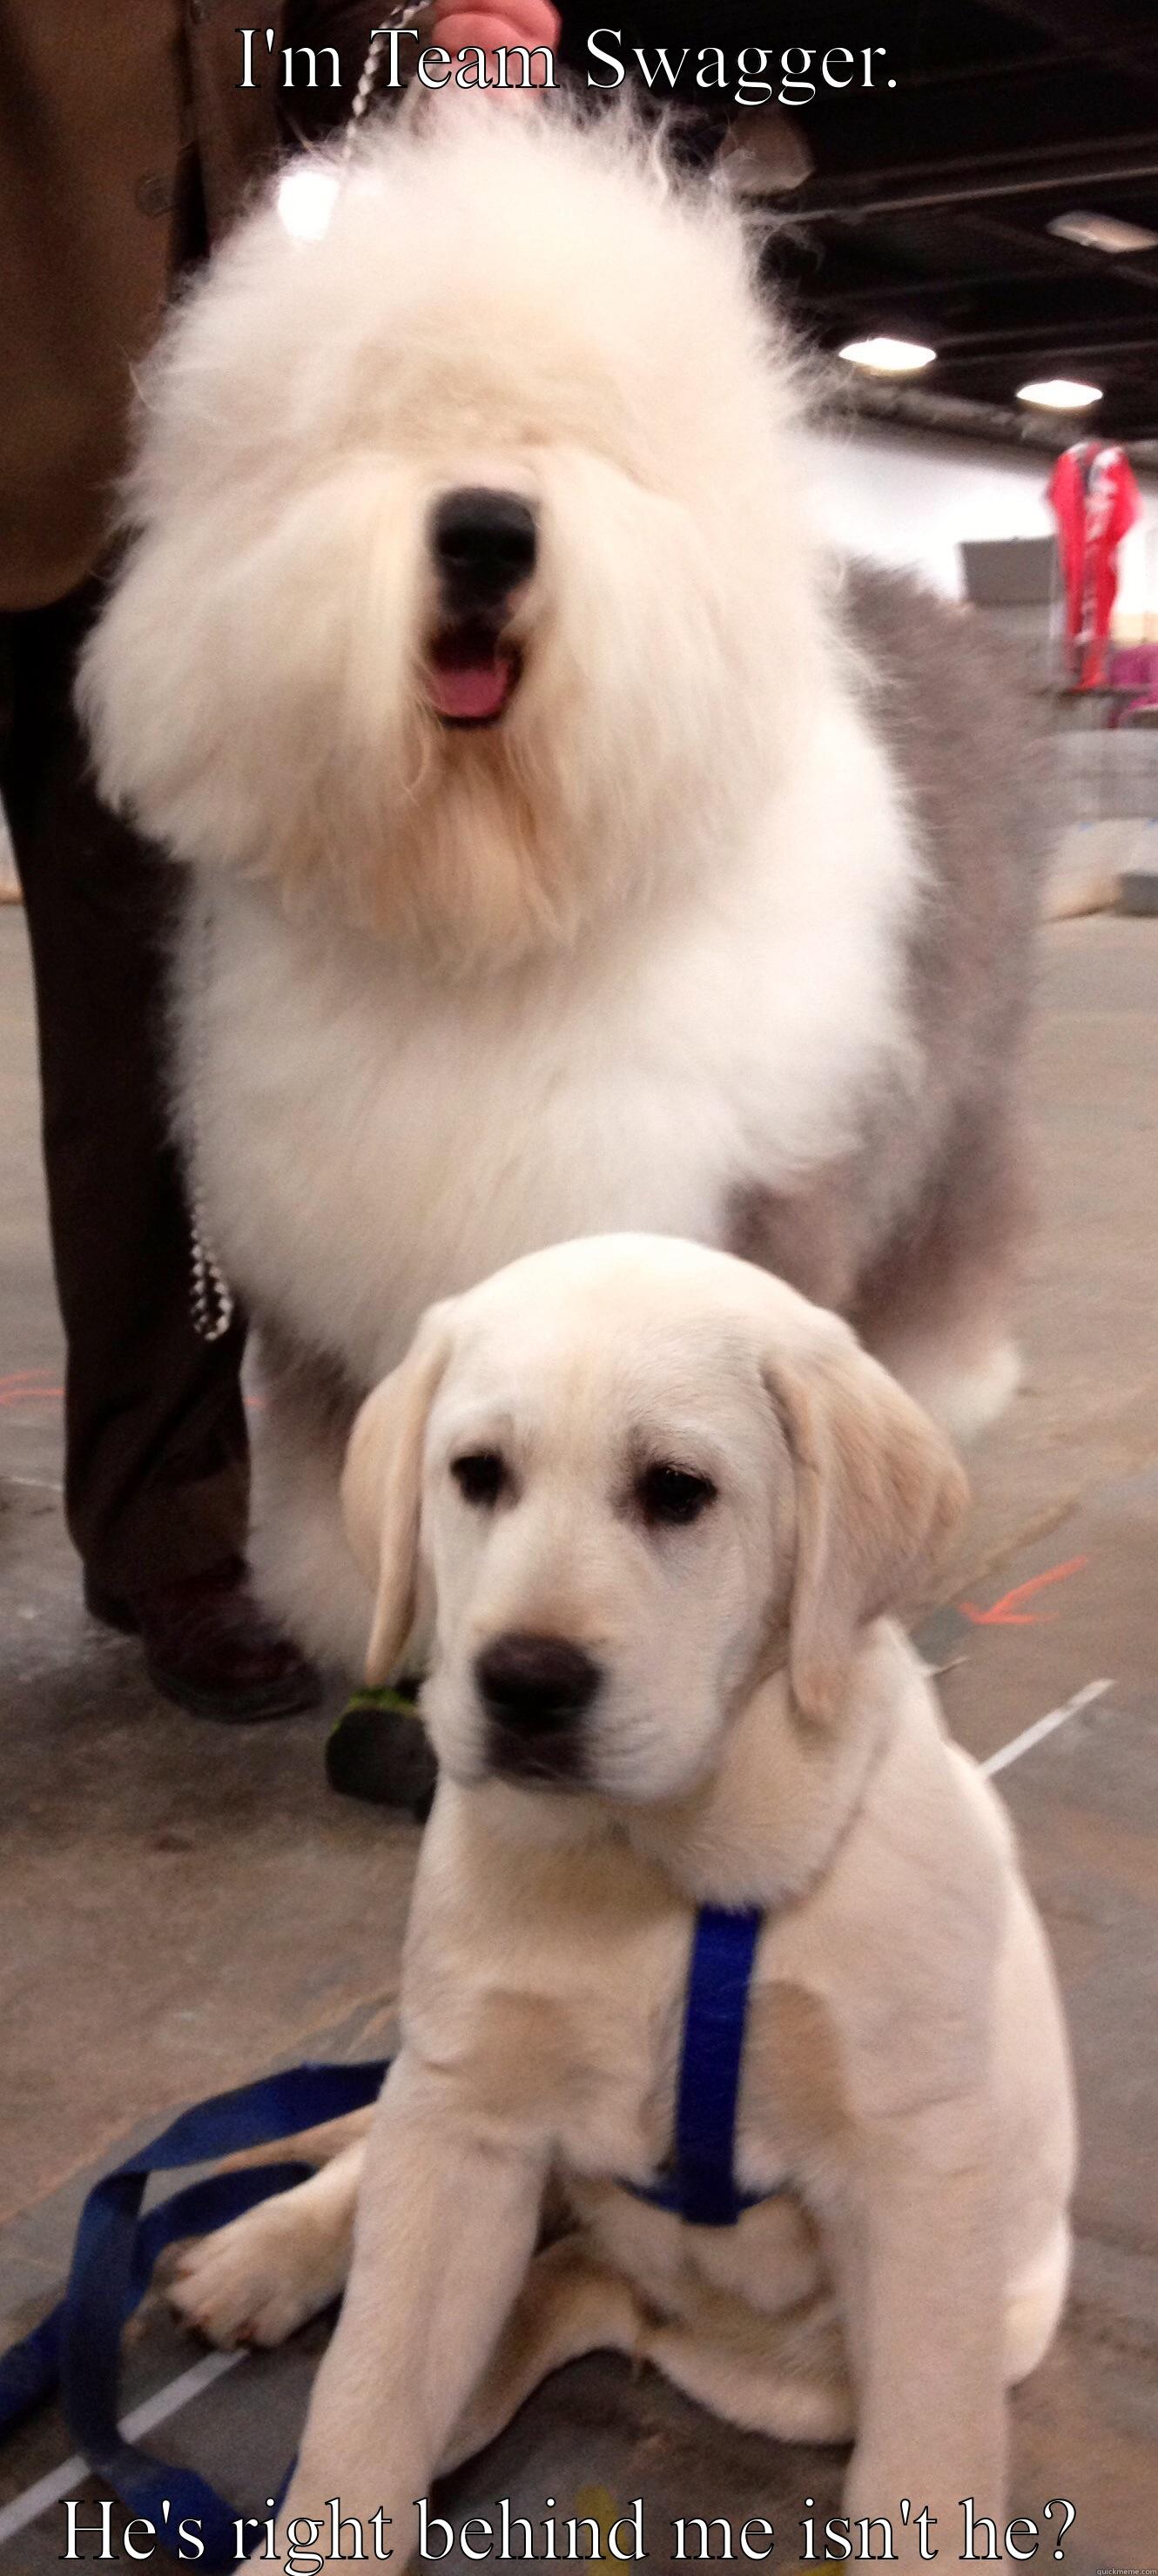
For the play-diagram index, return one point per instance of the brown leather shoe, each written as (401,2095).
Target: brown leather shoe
(210,1647)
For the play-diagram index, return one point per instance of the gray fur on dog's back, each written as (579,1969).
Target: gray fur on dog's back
(916,1230)
(952,702)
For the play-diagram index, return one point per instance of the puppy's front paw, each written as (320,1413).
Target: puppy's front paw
(254,2282)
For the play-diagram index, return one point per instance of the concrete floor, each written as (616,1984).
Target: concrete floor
(182,1906)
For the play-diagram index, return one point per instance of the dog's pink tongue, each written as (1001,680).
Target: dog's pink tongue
(470,691)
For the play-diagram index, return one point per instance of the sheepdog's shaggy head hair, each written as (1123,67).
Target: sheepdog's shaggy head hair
(468,592)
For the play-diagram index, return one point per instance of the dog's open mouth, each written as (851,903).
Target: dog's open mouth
(471,674)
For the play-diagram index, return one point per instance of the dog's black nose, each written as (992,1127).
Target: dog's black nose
(536,1685)
(484,544)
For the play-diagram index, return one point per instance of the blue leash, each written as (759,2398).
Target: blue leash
(76,2351)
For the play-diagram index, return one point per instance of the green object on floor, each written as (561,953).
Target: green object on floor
(379,1751)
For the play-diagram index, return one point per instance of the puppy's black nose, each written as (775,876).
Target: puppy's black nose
(484,544)
(536,1685)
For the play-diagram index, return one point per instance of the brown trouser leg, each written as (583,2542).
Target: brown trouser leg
(156,1458)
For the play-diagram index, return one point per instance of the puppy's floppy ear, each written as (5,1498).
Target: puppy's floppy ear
(879,1495)
(382,1487)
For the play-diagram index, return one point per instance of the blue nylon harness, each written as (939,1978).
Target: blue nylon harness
(699,2183)
(76,2351)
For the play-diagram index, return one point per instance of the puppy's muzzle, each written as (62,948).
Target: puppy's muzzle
(484,544)
(536,1691)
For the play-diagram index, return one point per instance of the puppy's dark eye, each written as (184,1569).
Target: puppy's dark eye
(480,1477)
(673,1496)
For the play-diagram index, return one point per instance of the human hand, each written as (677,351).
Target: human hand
(491,23)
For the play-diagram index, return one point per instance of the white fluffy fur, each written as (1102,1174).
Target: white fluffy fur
(462,995)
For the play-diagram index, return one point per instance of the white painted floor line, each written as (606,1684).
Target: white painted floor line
(180,2392)
(153,2410)
(1044,1726)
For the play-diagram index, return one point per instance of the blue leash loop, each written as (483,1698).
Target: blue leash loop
(76,2351)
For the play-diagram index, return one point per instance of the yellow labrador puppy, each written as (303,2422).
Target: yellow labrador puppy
(646,1511)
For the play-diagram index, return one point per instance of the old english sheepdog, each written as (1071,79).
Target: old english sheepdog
(576,847)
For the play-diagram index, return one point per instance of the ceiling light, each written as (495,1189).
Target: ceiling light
(1103,232)
(1060,393)
(885,357)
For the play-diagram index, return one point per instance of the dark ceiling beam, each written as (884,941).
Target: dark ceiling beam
(998,67)
(996,348)
(1015,307)
(1083,26)
(964,416)
(897,140)
(1082,339)
(959,416)
(1057,262)
(857,198)
(1061,355)
(940,81)
(1067,257)
(893,287)
(1054,160)
(953,416)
